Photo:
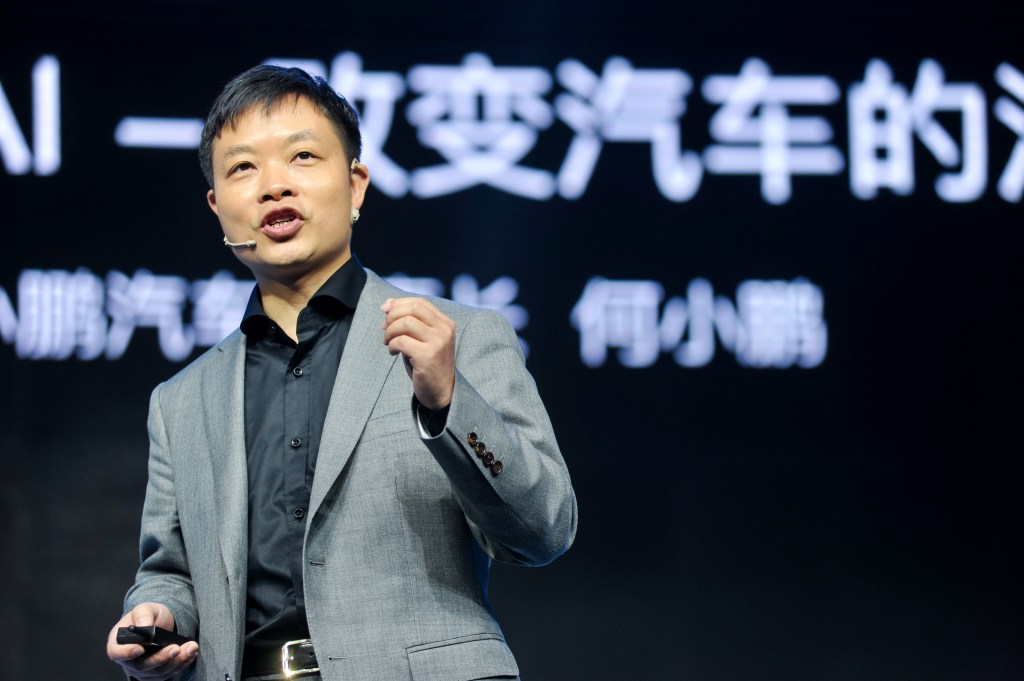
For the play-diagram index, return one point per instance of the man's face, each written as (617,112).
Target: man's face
(282,179)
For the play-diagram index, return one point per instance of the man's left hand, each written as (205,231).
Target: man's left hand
(426,338)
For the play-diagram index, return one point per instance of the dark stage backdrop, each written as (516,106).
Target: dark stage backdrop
(765,261)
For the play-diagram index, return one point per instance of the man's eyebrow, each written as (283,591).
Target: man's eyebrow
(237,150)
(300,136)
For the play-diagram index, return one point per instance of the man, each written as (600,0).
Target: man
(341,471)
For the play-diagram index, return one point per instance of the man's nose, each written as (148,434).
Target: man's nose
(276,186)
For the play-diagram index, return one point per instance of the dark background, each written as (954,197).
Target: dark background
(857,521)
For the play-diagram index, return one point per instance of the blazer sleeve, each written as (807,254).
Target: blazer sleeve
(523,511)
(163,575)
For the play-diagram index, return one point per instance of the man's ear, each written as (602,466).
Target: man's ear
(211,200)
(359,180)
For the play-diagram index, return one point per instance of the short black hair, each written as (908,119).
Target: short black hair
(266,86)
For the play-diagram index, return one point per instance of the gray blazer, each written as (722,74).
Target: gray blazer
(401,529)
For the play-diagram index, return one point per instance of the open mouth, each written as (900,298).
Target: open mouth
(280,224)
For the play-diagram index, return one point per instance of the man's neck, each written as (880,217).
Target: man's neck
(284,298)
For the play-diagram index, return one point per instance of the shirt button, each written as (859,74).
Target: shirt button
(297,371)
(296,442)
(298,513)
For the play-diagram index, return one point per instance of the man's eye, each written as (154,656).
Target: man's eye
(244,165)
(304,155)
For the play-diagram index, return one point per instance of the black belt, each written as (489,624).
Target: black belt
(294,660)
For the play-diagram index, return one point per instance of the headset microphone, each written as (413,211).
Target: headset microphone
(240,244)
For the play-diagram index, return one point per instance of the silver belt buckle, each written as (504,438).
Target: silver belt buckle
(298,659)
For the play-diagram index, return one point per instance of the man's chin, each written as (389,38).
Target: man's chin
(294,267)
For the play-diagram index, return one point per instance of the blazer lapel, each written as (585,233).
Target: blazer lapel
(365,365)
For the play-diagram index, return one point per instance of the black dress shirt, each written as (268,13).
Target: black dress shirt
(287,391)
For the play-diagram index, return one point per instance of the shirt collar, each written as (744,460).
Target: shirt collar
(337,297)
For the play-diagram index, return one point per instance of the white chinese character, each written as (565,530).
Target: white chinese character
(696,312)
(780,324)
(219,305)
(8,319)
(618,314)
(1010,114)
(424,286)
(483,119)
(881,153)
(60,313)
(771,143)
(626,105)
(148,301)
(497,296)
(378,91)
(881,149)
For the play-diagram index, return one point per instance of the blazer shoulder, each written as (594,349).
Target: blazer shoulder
(215,359)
